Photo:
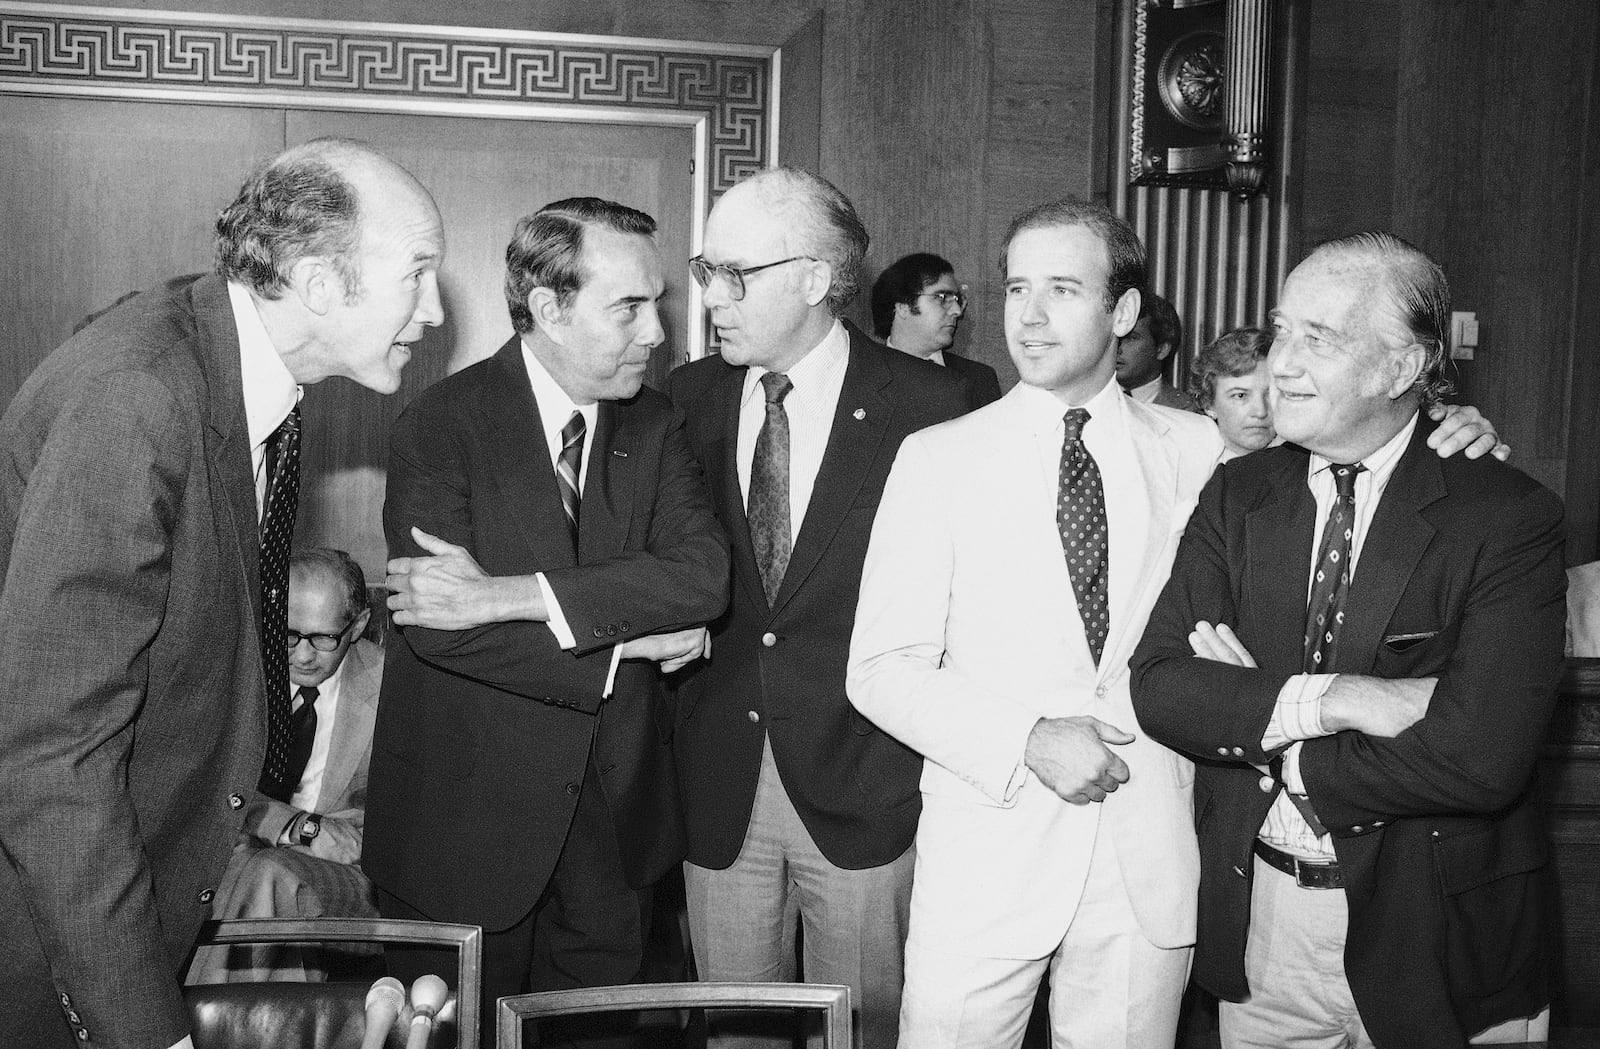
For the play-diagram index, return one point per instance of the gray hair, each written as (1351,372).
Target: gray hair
(823,224)
(1418,299)
(339,567)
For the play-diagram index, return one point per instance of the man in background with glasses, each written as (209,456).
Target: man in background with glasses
(297,859)
(793,803)
(916,308)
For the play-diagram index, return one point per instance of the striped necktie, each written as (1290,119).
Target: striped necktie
(568,466)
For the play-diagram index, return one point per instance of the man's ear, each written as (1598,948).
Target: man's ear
(314,281)
(360,623)
(545,306)
(1125,314)
(819,279)
(1164,350)
(1405,367)
(902,309)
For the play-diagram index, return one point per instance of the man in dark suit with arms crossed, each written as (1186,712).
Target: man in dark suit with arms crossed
(546,519)
(1371,848)
(132,692)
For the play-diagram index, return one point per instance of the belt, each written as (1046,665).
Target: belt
(1308,874)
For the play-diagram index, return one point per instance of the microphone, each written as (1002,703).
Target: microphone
(384,1002)
(427,998)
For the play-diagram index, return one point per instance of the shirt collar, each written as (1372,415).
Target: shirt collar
(1381,463)
(1045,411)
(270,391)
(555,407)
(808,371)
(1148,392)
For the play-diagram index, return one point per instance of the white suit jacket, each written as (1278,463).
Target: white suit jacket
(968,632)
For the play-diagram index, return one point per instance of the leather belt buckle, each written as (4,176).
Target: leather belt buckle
(1308,874)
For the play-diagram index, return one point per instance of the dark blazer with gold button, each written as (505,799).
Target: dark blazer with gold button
(778,671)
(132,702)
(1460,578)
(483,735)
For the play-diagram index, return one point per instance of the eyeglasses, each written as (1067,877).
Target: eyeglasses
(704,272)
(320,642)
(947,299)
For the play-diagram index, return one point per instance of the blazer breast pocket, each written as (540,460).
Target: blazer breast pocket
(1406,642)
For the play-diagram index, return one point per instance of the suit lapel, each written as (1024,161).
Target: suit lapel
(1158,463)
(607,505)
(722,471)
(523,471)
(1395,543)
(1277,555)
(352,727)
(860,422)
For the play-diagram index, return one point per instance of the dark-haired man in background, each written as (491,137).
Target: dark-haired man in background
(1372,848)
(916,306)
(545,517)
(135,488)
(1143,353)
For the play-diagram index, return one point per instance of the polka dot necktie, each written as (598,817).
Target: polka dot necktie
(770,530)
(277,529)
(568,466)
(1325,610)
(1081,519)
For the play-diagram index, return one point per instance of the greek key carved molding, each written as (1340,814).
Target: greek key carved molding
(124,48)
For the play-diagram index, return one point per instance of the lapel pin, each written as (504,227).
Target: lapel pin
(859,413)
(619,453)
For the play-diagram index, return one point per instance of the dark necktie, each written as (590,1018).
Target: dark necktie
(770,531)
(303,730)
(1325,610)
(568,466)
(1081,519)
(277,528)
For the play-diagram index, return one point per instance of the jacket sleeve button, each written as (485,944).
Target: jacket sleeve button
(572,788)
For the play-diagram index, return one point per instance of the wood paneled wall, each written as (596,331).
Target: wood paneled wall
(1470,128)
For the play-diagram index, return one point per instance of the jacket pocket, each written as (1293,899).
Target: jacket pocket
(1493,889)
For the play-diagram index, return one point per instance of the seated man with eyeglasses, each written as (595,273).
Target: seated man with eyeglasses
(916,307)
(297,859)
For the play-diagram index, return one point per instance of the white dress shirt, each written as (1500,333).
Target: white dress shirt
(1148,392)
(1298,714)
(817,379)
(270,392)
(308,795)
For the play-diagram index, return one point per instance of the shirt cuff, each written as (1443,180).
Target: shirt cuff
(611,675)
(1298,713)
(557,619)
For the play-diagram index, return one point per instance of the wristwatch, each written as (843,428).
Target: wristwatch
(310,827)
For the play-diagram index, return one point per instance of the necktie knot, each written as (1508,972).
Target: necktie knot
(308,695)
(1344,479)
(572,433)
(776,386)
(1075,420)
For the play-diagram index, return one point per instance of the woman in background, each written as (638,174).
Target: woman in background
(1229,382)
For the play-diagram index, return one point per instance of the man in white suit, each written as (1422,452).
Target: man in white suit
(1014,560)
(1053,834)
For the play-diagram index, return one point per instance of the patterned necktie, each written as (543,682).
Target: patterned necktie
(277,528)
(1081,519)
(568,466)
(770,531)
(303,728)
(1325,610)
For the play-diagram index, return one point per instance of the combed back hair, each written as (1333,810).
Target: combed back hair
(902,282)
(297,205)
(341,568)
(1166,328)
(546,250)
(821,222)
(1229,356)
(1417,307)
(1122,243)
